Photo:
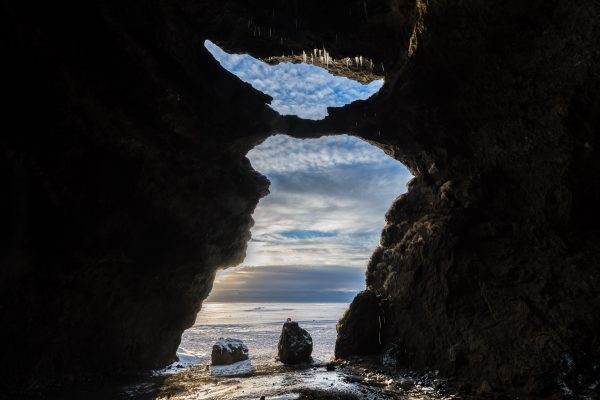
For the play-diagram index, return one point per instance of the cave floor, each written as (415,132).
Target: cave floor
(274,381)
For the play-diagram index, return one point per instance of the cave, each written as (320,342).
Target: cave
(126,184)
(311,241)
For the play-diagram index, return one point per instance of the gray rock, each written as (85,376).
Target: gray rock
(228,351)
(295,344)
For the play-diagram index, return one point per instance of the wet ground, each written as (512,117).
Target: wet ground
(359,379)
(259,326)
(273,381)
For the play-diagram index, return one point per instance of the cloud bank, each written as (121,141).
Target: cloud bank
(288,283)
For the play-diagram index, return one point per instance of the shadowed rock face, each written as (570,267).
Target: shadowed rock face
(359,329)
(126,184)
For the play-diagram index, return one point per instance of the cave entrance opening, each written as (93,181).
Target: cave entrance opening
(314,232)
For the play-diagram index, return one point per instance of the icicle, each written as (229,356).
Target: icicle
(269,31)
(379,335)
(379,318)
(303,57)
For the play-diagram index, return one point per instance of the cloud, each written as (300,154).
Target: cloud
(279,154)
(297,89)
(288,283)
(327,203)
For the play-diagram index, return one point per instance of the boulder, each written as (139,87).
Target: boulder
(228,351)
(295,344)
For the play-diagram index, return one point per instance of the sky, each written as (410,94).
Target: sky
(315,231)
(304,90)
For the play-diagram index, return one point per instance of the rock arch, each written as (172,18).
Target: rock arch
(126,183)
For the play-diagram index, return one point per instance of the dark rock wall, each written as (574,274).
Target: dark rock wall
(490,262)
(126,184)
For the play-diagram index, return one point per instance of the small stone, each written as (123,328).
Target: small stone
(330,366)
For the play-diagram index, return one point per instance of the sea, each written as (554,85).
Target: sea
(259,325)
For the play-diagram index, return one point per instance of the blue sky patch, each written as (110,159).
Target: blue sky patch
(307,234)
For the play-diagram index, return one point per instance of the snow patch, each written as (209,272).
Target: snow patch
(230,345)
(239,368)
(185,359)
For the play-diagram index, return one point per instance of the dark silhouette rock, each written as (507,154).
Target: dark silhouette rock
(295,344)
(361,327)
(228,351)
